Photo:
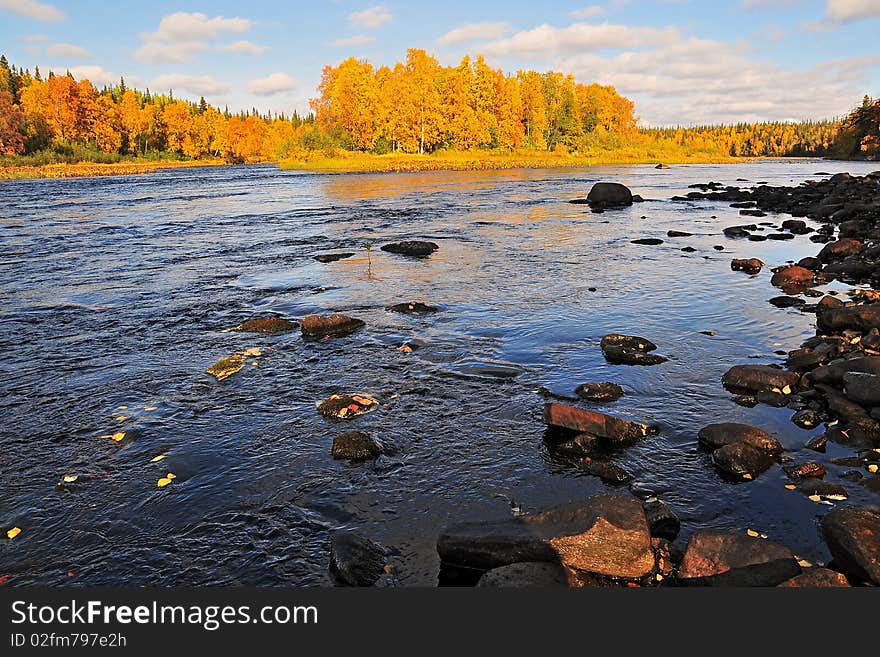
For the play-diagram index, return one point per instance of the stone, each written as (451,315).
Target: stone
(813,487)
(714,558)
(599,392)
(609,195)
(604,536)
(648,241)
(815,578)
(662,522)
(525,575)
(793,275)
(332,257)
(629,350)
(737,231)
(749,266)
(804,470)
(741,460)
(616,431)
(413,308)
(354,559)
(759,378)
(853,537)
(718,435)
(227,366)
(834,371)
(859,318)
(318,326)
(608,471)
(412,248)
(678,233)
(840,249)
(355,446)
(862,388)
(266,325)
(347,406)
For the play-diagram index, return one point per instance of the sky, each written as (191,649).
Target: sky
(683,62)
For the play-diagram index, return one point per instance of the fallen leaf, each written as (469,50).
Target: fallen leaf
(3,579)
(118,436)
(405,349)
(122,408)
(12,533)
(764,536)
(803,563)
(150,408)
(164,481)
(156,459)
(70,573)
(171,475)
(752,533)
(786,390)
(69,479)
(747,476)
(815,498)
(873,468)
(791,486)
(252,351)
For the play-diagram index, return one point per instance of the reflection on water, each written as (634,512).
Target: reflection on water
(117,293)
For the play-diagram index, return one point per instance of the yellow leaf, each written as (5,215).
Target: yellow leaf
(803,563)
(121,418)
(752,533)
(118,436)
(69,479)
(122,408)
(12,533)
(171,475)
(164,481)
(791,486)
(873,468)
(747,476)
(815,498)
(786,390)
(156,459)
(150,408)
(763,535)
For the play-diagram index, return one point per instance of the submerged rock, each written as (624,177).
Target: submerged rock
(413,248)
(741,460)
(354,559)
(355,446)
(332,257)
(804,470)
(662,522)
(648,241)
(853,537)
(413,308)
(347,406)
(525,575)
(609,195)
(629,350)
(715,558)
(599,392)
(227,366)
(617,431)
(318,326)
(678,233)
(267,325)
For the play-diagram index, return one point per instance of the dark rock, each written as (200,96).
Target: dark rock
(615,430)
(689,249)
(609,195)
(815,578)
(648,241)
(525,575)
(354,559)
(796,226)
(346,406)
(806,419)
(862,388)
(813,487)
(840,249)
(859,318)
(714,436)
(605,536)
(608,471)
(724,559)
(828,302)
(413,308)
(581,445)
(662,166)
(332,257)
(629,350)
(834,371)
(818,443)
(413,248)
(804,470)
(355,446)
(753,213)
(599,392)
(787,302)
(266,325)
(662,522)
(810,263)
(741,460)
(750,265)
(318,326)
(853,537)
(718,247)
(737,231)
(678,233)
(759,378)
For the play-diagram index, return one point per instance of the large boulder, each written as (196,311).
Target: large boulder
(629,350)
(614,430)
(412,248)
(759,378)
(354,559)
(318,326)
(525,575)
(716,558)
(835,371)
(609,195)
(841,249)
(792,276)
(718,435)
(266,325)
(604,536)
(859,318)
(862,388)
(741,460)
(853,537)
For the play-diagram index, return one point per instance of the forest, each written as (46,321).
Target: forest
(415,107)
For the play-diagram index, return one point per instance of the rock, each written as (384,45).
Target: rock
(332,257)
(355,446)
(599,392)
(266,325)
(813,487)
(853,537)
(792,275)
(689,249)
(581,445)
(609,195)
(678,233)
(629,350)
(816,577)
(354,559)
(828,302)
(834,371)
(806,419)
(759,378)
(840,249)
(347,406)
(227,366)
(741,460)
(318,326)
(604,536)
(862,388)
(662,166)
(608,471)
(617,431)
(714,436)
(662,522)
(796,226)
(804,470)
(786,302)
(753,213)
(818,443)
(413,308)
(525,575)
(716,558)
(737,231)
(648,241)
(413,248)
(750,265)
(810,263)
(859,318)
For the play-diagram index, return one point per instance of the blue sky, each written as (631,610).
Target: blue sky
(683,62)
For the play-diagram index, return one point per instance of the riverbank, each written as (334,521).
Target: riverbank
(95,169)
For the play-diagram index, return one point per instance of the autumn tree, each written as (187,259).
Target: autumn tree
(11,126)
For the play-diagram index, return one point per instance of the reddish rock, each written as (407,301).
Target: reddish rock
(725,559)
(793,275)
(615,430)
(840,249)
(853,536)
(816,577)
(714,436)
(268,325)
(859,318)
(318,326)
(804,470)
(750,265)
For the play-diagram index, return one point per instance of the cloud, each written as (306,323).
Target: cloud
(67,50)
(358,40)
(39,11)
(750,5)
(94,74)
(36,38)
(371,18)
(844,11)
(475,32)
(180,36)
(546,41)
(244,47)
(203,85)
(588,12)
(270,85)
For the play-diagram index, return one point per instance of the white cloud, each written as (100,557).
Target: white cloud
(358,40)
(371,18)
(181,35)
(244,47)
(588,12)
(94,74)
(270,85)
(545,40)
(203,85)
(68,50)
(39,11)
(843,11)
(475,32)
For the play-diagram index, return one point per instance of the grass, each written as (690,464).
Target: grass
(9,170)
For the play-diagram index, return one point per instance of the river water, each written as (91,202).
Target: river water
(116,293)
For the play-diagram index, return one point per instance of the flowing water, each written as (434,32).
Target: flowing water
(116,293)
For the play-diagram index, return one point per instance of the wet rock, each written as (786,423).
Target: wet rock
(355,446)
(793,275)
(814,487)
(663,523)
(319,326)
(718,435)
(818,443)
(718,247)
(609,195)
(648,241)
(834,371)
(678,233)
(629,350)
(347,406)
(862,388)
(581,445)
(859,318)
(828,302)
(605,536)
(608,471)
(753,213)
(689,249)
(412,248)
(759,378)
(796,226)
(354,559)
(815,578)
(810,263)
(266,325)
(853,537)
(741,460)
(806,419)
(715,558)
(750,265)
(737,231)
(525,575)
(332,257)
(840,249)
(662,166)
(804,470)
(786,302)
(617,431)
(599,392)
(227,366)
(413,308)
